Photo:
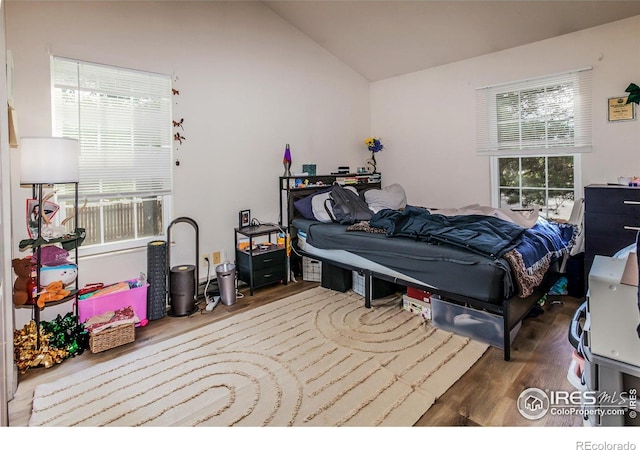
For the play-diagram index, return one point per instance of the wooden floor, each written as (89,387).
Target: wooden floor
(485,396)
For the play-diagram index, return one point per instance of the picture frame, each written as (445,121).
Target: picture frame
(620,110)
(244,218)
(32,212)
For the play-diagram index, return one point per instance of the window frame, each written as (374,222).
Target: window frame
(495,174)
(487,139)
(134,197)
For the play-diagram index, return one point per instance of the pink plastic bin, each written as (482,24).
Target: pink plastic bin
(136,298)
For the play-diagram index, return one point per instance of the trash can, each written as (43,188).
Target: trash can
(226,274)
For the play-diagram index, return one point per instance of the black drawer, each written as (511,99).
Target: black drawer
(268,259)
(262,260)
(612,200)
(268,276)
(608,233)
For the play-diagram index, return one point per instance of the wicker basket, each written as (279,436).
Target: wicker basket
(112,337)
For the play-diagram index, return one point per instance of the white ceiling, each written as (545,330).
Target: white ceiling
(382,39)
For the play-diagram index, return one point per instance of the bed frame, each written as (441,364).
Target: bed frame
(512,310)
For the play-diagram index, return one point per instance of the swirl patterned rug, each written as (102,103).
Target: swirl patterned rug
(318,358)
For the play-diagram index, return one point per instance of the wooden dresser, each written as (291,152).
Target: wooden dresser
(611,220)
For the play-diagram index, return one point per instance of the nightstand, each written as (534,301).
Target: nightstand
(260,261)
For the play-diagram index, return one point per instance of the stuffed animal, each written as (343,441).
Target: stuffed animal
(22,269)
(52,292)
(67,273)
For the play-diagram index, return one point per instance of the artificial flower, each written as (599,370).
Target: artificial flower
(373,144)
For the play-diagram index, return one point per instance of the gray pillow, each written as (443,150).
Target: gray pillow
(390,197)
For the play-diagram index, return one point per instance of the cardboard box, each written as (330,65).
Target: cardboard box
(416,307)
(419,294)
(630,274)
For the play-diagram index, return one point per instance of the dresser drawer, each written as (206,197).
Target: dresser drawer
(261,260)
(612,200)
(268,276)
(269,259)
(608,233)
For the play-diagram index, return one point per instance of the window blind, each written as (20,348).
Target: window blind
(546,115)
(122,118)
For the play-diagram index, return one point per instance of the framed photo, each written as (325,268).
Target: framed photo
(33,215)
(620,110)
(244,218)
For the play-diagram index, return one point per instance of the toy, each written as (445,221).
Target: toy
(67,273)
(52,292)
(22,269)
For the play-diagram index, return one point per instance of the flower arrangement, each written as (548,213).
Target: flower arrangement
(373,144)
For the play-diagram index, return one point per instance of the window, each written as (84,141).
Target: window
(534,131)
(546,181)
(122,118)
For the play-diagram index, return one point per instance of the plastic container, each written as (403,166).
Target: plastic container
(472,323)
(136,298)
(226,274)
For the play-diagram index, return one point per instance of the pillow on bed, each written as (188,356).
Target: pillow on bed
(391,197)
(317,204)
(304,205)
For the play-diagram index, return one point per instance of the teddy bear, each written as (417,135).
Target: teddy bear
(22,269)
(52,292)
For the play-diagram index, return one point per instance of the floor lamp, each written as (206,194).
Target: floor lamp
(44,161)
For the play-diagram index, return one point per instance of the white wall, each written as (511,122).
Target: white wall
(427,118)
(249,84)
(8,371)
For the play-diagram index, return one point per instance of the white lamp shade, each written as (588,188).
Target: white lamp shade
(49,160)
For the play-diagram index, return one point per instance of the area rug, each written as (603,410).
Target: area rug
(317,358)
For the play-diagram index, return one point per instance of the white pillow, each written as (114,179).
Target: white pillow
(318,202)
(391,197)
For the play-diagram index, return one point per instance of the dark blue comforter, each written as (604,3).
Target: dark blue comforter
(489,236)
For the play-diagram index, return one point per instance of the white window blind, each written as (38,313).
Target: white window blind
(540,116)
(122,118)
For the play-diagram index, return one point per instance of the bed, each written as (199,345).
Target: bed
(480,261)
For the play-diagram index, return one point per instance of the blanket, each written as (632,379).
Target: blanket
(529,251)
(487,235)
(525,219)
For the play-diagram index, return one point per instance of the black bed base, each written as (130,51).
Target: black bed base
(512,310)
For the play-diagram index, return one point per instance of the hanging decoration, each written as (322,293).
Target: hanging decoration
(177,123)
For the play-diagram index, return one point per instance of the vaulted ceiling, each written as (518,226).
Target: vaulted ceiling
(382,39)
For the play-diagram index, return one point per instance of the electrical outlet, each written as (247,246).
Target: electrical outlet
(203,259)
(216,257)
